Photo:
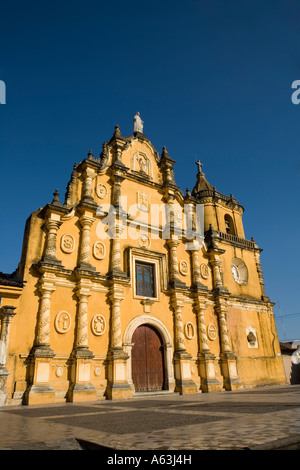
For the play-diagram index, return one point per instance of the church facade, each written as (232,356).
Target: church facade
(131,286)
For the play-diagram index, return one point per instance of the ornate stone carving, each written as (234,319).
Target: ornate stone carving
(144,241)
(101,191)
(143,201)
(59,371)
(204,270)
(184,268)
(98,325)
(189,330)
(67,243)
(99,250)
(212,331)
(62,322)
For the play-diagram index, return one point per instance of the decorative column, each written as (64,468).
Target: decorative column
(118,385)
(7,314)
(42,340)
(86,221)
(216,264)
(228,360)
(81,389)
(182,359)
(206,360)
(88,175)
(40,390)
(52,225)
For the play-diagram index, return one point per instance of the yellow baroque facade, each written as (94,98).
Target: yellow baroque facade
(131,286)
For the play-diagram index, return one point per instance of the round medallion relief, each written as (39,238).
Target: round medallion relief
(101,191)
(67,243)
(98,325)
(189,330)
(183,268)
(62,322)
(97,371)
(59,371)
(204,271)
(99,250)
(212,332)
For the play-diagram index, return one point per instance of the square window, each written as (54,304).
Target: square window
(145,281)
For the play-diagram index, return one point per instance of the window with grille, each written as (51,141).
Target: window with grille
(144,274)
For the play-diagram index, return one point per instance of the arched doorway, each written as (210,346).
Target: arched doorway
(147,357)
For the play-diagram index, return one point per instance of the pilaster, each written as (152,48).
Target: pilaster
(81,388)
(182,359)
(39,389)
(6,314)
(118,385)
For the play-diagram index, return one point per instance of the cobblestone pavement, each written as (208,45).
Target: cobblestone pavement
(218,421)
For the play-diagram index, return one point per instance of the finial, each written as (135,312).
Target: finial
(55,200)
(90,154)
(200,165)
(187,192)
(164,152)
(117,132)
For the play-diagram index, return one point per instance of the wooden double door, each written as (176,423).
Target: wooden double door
(148,372)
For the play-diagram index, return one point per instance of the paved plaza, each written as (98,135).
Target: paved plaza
(248,419)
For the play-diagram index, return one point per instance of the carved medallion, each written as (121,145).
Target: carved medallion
(143,201)
(189,330)
(62,322)
(204,271)
(101,191)
(97,371)
(59,371)
(183,268)
(99,250)
(67,243)
(98,325)
(212,332)
(144,241)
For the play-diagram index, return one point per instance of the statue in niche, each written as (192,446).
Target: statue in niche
(143,164)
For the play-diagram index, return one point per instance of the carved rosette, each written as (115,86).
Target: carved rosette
(101,191)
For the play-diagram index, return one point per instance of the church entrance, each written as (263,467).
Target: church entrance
(147,359)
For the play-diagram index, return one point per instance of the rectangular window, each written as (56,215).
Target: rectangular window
(144,274)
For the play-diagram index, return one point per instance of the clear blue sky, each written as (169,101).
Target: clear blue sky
(212,81)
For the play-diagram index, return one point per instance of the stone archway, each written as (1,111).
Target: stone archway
(167,348)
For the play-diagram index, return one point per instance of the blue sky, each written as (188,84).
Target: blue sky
(212,81)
